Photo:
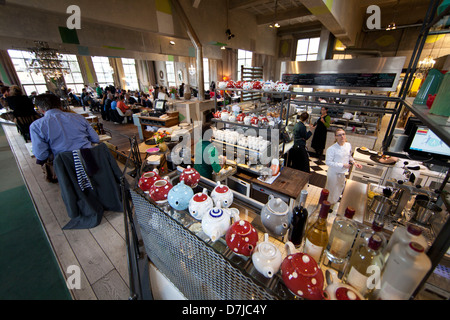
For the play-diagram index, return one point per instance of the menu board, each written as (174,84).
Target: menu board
(342,80)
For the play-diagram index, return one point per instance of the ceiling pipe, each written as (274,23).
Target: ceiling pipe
(198,47)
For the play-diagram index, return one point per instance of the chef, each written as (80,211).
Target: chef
(338,159)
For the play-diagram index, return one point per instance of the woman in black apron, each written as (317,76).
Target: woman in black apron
(320,132)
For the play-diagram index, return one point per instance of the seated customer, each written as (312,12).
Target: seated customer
(58,131)
(123,110)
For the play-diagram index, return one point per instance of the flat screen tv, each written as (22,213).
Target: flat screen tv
(424,143)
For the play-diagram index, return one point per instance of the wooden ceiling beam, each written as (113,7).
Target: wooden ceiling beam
(245,4)
(283,15)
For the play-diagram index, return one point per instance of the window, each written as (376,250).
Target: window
(129,69)
(244,59)
(103,70)
(74,80)
(30,80)
(170,70)
(307,49)
(206,73)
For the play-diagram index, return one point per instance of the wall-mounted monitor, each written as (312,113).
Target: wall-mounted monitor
(424,143)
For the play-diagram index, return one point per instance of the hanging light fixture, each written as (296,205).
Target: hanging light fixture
(47,61)
(392,25)
(192,70)
(275,24)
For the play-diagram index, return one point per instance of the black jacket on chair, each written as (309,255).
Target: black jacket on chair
(85,208)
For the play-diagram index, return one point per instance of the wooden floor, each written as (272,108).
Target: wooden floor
(99,252)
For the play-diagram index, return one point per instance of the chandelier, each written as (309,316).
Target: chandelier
(192,70)
(47,61)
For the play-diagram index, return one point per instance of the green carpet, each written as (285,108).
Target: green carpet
(28,266)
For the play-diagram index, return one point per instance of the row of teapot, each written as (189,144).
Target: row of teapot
(300,272)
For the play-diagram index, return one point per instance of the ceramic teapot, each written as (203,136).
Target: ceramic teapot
(257,85)
(268,86)
(339,291)
(248,85)
(302,275)
(247,120)
(225,115)
(190,176)
(275,216)
(238,84)
(240,117)
(280,87)
(241,237)
(230,84)
(200,204)
(267,257)
(179,196)
(223,194)
(216,222)
(159,191)
(254,121)
(222,85)
(148,179)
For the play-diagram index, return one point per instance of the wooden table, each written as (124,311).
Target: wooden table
(290,182)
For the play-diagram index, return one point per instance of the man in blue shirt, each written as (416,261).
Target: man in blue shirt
(59,131)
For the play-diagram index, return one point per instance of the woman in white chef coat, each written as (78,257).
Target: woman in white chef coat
(338,159)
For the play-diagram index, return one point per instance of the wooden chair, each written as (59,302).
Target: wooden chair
(23,125)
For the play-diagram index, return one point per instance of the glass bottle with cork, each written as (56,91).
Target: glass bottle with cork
(365,261)
(298,222)
(316,238)
(342,236)
(315,213)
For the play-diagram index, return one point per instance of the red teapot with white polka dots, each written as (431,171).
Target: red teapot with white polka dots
(159,190)
(302,275)
(241,237)
(190,176)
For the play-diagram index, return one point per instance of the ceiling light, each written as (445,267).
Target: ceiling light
(391,26)
(229,34)
(172,42)
(276,25)
(223,48)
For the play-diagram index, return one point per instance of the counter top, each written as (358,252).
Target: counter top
(290,182)
(411,163)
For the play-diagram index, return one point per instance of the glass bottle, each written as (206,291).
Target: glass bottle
(342,235)
(405,269)
(360,268)
(367,232)
(315,213)
(298,222)
(317,235)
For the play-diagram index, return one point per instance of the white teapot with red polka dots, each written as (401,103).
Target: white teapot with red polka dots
(223,194)
(200,204)
(302,275)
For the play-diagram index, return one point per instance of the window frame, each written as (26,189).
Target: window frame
(37,83)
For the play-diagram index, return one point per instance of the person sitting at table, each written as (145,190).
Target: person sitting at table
(125,110)
(146,102)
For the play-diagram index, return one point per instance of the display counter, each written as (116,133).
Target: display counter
(199,268)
